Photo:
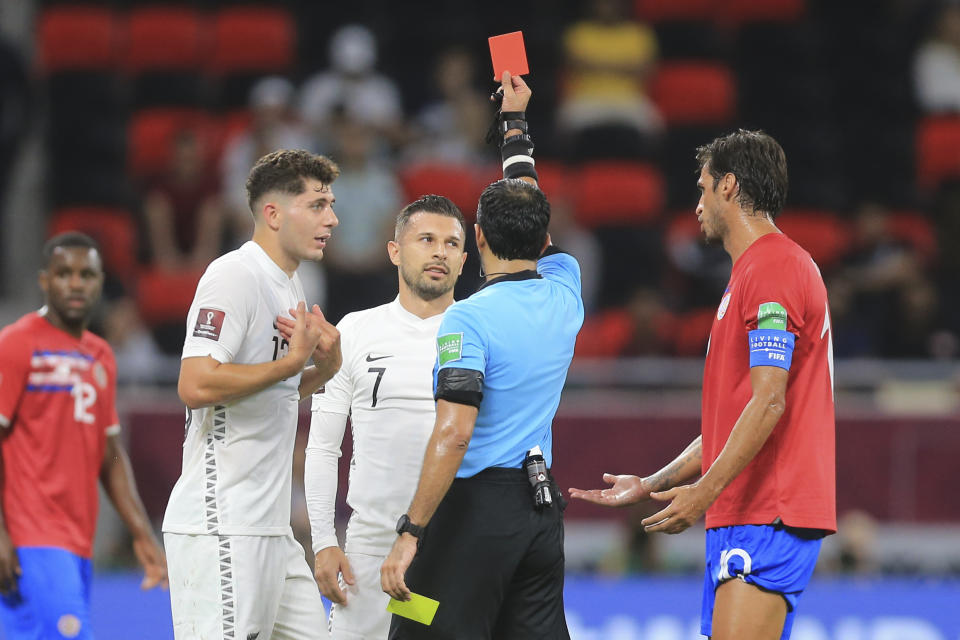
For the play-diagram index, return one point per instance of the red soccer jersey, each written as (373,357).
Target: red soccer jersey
(57,406)
(793,476)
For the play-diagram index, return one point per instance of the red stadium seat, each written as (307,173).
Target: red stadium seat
(667,10)
(938,150)
(151,134)
(824,236)
(692,331)
(113,229)
(916,230)
(461,183)
(605,335)
(72,38)
(612,193)
(252,39)
(736,12)
(555,180)
(164,297)
(683,227)
(164,39)
(695,93)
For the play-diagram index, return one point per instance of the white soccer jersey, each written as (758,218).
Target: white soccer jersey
(386,387)
(237,456)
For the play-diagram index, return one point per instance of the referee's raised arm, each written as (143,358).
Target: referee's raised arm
(516,148)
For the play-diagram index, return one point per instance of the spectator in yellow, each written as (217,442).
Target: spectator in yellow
(609,57)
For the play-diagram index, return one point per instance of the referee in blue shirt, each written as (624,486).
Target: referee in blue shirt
(484,533)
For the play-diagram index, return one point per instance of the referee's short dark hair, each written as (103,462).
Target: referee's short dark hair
(514,216)
(283,171)
(758,162)
(67,240)
(428,204)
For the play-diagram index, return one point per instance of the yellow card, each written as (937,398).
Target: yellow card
(418,608)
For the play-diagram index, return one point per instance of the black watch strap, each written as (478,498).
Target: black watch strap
(405,526)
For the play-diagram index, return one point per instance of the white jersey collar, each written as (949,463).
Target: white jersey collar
(256,252)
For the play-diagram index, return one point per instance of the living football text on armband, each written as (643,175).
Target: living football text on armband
(771,345)
(462,386)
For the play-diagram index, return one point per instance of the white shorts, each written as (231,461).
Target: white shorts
(242,588)
(365,616)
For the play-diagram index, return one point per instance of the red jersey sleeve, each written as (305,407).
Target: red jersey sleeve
(772,289)
(15,353)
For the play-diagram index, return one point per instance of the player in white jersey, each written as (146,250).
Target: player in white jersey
(385,386)
(236,571)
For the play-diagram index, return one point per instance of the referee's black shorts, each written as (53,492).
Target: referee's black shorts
(493,562)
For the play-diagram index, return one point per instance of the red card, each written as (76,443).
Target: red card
(508,54)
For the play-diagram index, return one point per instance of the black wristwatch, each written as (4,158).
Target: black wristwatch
(405,526)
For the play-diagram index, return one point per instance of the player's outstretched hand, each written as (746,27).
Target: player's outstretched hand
(687,505)
(394,568)
(9,565)
(329,564)
(153,560)
(626,490)
(516,93)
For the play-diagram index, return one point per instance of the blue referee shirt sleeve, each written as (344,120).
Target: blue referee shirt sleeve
(461,341)
(560,267)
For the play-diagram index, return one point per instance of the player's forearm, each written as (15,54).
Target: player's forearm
(203,384)
(445,451)
(312,379)
(684,467)
(116,475)
(751,431)
(320,490)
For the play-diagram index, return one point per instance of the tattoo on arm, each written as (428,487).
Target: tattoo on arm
(683,468)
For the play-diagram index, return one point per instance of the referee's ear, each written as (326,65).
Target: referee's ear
(546,244)
(478,233)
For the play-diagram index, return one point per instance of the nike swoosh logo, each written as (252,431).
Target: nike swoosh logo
(370,357)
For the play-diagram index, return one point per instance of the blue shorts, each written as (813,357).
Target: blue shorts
(771,557)
(52,599)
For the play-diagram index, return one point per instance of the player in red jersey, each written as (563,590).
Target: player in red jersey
(60,434)
(766,452)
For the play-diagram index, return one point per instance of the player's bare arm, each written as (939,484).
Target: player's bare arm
(757,421)
(448,443)
(205,382)
(116,476)
(629,490)
(327,357)
(9,564)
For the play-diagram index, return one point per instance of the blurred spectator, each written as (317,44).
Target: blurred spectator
(609,57)
(452,129)
(182,209)
(884,301)
(368,200)
(643,327)
(273,127)
(937,65)
(581,244)
(138,358)
(13,116)
(13,107)
(352,85)
(856,540)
